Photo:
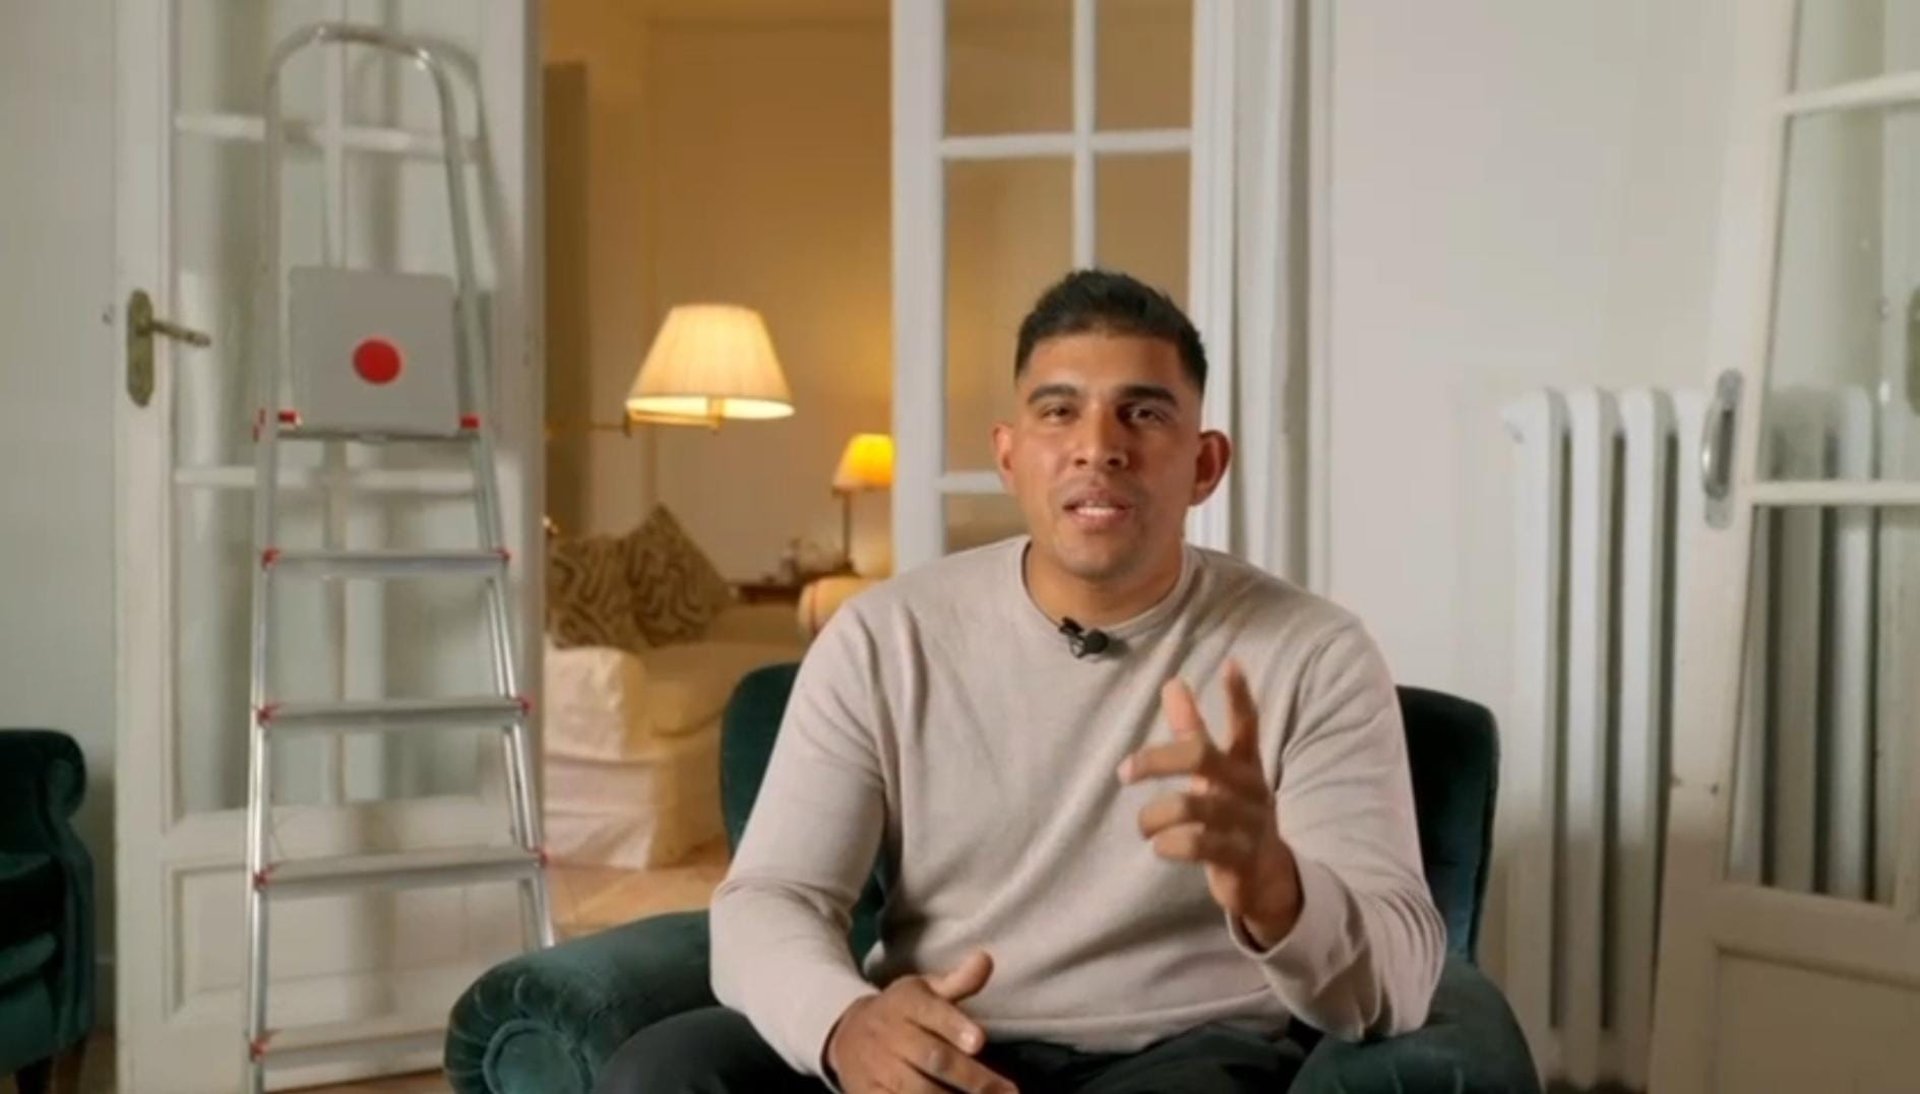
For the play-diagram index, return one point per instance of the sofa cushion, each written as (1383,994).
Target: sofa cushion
(612,706)
(689,685)
(30,897)
(677,591)
(590,601)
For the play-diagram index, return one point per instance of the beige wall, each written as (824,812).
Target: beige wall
(770,187)
(598,294)
(727,159)
(744,156)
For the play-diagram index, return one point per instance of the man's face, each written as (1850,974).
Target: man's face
(1105,453)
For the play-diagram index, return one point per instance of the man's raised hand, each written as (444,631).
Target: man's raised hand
(1225,818)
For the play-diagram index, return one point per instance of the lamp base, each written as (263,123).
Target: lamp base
(846,531)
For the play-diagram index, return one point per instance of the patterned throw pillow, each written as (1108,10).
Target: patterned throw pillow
(676,590)
(589,599)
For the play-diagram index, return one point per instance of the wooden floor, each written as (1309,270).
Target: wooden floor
(585,900)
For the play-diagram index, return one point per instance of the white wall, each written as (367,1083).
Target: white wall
(1522,194)
(59,375)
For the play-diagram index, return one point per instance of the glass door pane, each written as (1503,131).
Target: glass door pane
(1140,221)
(389,212)
(1825,739)
(1009,234)
(1060,132)
(1143,62)
(1009,66)
(1839,299)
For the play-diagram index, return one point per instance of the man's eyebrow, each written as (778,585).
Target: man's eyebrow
(1155,393)
(1052,391)
(1151,392)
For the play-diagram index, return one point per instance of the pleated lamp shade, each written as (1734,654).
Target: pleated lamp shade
(710,362)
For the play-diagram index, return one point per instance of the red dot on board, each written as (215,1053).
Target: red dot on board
(377,361)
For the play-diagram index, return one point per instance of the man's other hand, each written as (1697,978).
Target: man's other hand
(912,1038)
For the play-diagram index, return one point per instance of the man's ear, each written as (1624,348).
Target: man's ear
(1210,465)
(1003,453)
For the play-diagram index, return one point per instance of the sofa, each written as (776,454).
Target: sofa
(631,739)
(543,1023)
(46,908)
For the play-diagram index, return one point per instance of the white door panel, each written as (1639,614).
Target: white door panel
(1790,946)
(362,188)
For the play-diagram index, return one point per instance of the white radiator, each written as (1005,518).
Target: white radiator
(1607,497)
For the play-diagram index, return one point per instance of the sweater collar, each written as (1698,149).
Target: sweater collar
(1134,626)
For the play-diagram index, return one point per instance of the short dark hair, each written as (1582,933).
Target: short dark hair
(1111,303)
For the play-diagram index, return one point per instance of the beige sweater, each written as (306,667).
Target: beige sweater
(941,718)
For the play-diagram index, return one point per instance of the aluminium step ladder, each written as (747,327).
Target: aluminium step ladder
(373,357)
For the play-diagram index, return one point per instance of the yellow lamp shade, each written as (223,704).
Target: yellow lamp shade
(866,464)
(710,361)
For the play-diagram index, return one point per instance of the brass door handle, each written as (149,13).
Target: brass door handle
(142,325)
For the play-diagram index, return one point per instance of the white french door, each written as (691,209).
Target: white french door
(1790,934)
(1036,136)
(362,187)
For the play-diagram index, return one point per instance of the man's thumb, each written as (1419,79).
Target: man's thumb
(964,979)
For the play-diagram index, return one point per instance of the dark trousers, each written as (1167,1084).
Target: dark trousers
(716,1051)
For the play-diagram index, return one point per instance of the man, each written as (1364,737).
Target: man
(1099,880)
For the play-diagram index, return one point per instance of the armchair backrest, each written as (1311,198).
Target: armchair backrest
(1452,749)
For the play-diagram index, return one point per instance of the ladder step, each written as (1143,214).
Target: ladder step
(334,1042)
(393,715)
(288,427)
(384,563)
(306,877)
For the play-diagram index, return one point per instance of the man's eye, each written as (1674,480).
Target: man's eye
(1053,413)
(1146,414)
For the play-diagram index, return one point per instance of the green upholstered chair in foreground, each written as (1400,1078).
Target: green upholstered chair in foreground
(543,1023)
(46,908)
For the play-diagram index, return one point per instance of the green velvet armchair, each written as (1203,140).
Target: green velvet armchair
(46,908)
(544,1023)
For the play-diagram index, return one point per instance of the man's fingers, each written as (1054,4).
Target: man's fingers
(899,1076)
(1243,716)
(1182,713)
(938,1060)
(964,979)
(1206,810)
(946,1021)
(1198,843)
(1194,756)
(1186,756)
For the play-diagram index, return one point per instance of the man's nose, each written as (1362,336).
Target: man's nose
(1102,443)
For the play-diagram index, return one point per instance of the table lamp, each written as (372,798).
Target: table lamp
(866,464)
(708,363)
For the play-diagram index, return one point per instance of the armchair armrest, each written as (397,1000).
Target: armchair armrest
(545,1022)
(1471,1044)
(43,777)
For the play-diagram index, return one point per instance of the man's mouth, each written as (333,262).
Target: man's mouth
(1098,509)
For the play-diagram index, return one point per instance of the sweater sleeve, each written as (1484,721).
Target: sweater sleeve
(1365,955)
(780,918)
